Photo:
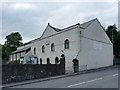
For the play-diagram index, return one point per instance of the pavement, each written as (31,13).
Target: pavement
(65,81)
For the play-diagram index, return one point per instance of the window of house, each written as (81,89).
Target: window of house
(13,57)
(52,47)
(37,60)
(56,60)
(43,49)
(40,60)
(34,51)
(66,44)
(16,56)
(48,61)
(20,54)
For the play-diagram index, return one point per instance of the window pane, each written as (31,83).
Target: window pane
(52,47)
(34,51)
(43,49)
(66,44)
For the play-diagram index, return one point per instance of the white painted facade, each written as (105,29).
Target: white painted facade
(88,43)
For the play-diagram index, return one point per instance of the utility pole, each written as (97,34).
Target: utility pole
(114,26)
(113,33)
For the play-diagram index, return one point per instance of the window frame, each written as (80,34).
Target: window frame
(43,48)
(66,44)
(34,51)
(52,47)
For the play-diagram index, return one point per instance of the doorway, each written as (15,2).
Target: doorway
(75,65)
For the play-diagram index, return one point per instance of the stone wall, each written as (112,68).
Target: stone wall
(17,73)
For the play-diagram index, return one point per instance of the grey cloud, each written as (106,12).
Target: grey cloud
(28,20)
(119,14)
(32,21)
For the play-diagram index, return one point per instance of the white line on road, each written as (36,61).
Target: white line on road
(115,75)
(85,82)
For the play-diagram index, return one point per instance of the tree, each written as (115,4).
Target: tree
(13,41)
(0,53)
(114,36)
(118,44)
(5,54)
(111,30)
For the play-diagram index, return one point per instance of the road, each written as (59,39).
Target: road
(101,79)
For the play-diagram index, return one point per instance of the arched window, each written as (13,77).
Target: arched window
(52,47)
(37,61)
(48,61)
(43,49)
(34,51)
(40,60)
(56,60)
(66,44)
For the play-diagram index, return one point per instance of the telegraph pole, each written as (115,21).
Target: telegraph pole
(114,26)
(113,33)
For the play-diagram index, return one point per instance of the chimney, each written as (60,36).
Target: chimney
(48,23)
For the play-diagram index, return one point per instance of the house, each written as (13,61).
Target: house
(87,42)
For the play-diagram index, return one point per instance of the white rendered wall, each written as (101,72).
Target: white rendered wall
(58,40)
(95,54)
(96,48)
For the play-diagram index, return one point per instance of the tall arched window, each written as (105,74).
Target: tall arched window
(37,61)
(48,61)
(43,49)
(34,51)
(40,60)
(66,44)
(56,60)
(52,47)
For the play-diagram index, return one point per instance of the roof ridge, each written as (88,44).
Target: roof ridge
(71,26)
(56,29)
(90,21)
(86,24)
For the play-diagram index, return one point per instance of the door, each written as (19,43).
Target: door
(75,65)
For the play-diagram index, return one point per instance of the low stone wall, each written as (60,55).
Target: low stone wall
(17,73)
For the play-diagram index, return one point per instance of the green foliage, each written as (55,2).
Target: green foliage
(109,32)
(0,49)
(116,39)
(5,54)
(0,53)
(13,41)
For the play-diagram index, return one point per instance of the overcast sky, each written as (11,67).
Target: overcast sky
(31,18)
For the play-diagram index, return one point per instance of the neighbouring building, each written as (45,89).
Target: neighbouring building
(87,42)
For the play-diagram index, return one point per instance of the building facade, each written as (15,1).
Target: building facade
(87,42)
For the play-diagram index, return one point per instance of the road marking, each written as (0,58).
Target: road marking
(115,75)
(85,82)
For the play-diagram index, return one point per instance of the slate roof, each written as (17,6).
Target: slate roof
(86,24)
(56,29)
(20,50)
(83,25)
